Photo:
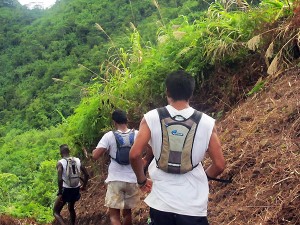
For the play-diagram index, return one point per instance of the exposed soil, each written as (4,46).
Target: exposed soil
(7,220)
(261,142)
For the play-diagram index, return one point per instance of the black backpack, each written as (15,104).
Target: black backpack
(124,142)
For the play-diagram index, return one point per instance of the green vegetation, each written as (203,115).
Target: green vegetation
(65,69)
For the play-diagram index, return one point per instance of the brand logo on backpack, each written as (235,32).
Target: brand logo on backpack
(178,136)
(175,132)
(72,173)
(124,142)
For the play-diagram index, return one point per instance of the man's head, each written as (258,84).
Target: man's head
(119,116)
(180,85)
(64,150)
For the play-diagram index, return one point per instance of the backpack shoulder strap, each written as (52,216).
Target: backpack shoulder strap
(163,113)
(117,139)
(131,136)
(196,116)
(67,160)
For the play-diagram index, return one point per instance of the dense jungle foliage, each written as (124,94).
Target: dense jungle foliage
(64,69)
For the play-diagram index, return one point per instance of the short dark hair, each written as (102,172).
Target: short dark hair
(119,116)
(180,85)
(64,149)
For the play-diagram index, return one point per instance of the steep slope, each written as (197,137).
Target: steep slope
(261,143)
(260,138)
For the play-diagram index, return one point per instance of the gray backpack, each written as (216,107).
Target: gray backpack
(178,135)
(72,173)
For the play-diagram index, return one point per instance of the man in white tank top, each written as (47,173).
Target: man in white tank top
(66,193)
(122,193)
(177,198)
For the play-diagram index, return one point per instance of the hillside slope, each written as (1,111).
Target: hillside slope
(261,142)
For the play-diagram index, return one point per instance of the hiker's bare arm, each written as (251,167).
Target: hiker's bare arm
(135,155)
(216,155)
(85,177)
(98,152)
(60,181)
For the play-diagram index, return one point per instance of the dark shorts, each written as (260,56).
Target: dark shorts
(71,194)
(167,218)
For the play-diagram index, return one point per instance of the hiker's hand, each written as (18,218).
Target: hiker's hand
(59,198)
(147,187)
(83,188)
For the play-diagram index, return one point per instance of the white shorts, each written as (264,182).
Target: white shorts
(121,195)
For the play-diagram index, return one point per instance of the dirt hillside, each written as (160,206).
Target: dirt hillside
(261,141)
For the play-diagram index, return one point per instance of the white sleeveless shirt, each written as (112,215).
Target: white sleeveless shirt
(185,194)
(116,172)
(64,174)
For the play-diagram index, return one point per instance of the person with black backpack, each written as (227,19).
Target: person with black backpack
(180,137)
(122,192)
(69,170)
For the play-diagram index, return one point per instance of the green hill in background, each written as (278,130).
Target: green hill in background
(63,43)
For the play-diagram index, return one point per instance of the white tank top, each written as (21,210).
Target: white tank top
(116,172)
(185,194)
